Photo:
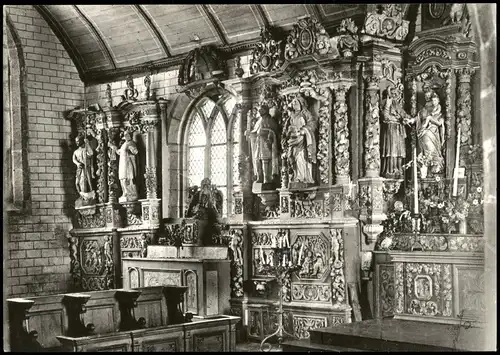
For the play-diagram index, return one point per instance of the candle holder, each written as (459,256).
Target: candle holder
(415,223)
(282,268)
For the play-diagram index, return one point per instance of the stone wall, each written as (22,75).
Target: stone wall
(36,257)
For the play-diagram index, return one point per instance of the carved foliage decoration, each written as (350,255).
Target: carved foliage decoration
(348,40)
(101,165)
(341,131)
(386,290)
(387,23)
(113,185)
(91,218)
(337,267)
(311,292)
(302,324)
(463,113)
(372,125)
(434,52)
(151,182)
(429,289)
(399,288)
(236,246)
(108,262)
(307,37)
(268,54)
(325,110)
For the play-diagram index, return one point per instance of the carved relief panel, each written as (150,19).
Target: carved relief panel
(97,265)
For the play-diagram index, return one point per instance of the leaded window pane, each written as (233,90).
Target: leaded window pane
(197,135)
(219,166)
(196,165)
(219,130)
(236,150)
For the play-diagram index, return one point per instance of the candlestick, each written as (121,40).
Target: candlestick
(287,241)
(271,260)
(262,255)
(300,252)
(457,164)
(415,181)
(273,241)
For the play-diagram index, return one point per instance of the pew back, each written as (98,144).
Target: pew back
(152,306)
(102,311)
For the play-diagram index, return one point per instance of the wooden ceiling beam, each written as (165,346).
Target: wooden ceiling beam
(259,11)
(213,22)
(102,43)
(153,28)
(315,11)
(66,42)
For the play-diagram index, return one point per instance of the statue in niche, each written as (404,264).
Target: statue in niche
(301,138)
(85,172)
(393,151)
(127,168)
(429,124)
(264,144)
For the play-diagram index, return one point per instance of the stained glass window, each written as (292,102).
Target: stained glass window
(218,156)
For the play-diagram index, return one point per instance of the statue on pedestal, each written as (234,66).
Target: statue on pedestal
(393,150)
(301,138)
(85,173)
(264,143)
(430,132)
(127,168)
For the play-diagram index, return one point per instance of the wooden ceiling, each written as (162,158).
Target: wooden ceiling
(110,41)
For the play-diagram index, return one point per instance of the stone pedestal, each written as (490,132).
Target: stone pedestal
(151,213)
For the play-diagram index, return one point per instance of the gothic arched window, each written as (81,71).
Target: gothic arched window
(212,147)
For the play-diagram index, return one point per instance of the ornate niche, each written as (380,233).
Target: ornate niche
(439,65)
(201,67)
(307,94)
(446,18)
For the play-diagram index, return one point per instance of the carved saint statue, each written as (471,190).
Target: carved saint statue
(236,243)
(430,132)
(85,173)
(393,150)
(301,138)
(127,168)
(264,143)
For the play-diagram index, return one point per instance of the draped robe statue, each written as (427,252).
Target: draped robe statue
(264,143)
(301,138)
(85,174)
(393,150)
(430,133)
(127,168)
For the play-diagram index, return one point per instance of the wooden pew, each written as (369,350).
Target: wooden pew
(145,319)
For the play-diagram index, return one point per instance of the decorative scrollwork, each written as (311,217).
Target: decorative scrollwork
(151,182)
(307,37)
(311,292)
(75,267)
(88,221)
(387,23)
(303,324)
(325,110)
(399,288)
(268,54)
(435,52)
(386,290)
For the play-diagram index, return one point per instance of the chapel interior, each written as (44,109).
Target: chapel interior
(288,177)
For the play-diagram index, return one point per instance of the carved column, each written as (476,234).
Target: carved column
(372,128)
(341,132)
(113,123)
(101,151)
(464,102)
